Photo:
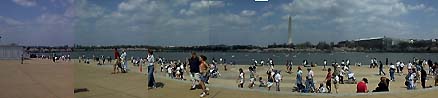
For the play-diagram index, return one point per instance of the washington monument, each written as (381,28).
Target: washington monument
(289,30)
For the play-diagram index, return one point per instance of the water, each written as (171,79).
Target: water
(279,58)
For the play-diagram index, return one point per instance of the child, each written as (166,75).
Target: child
(278,79)
(262,83)
(322,89)
(169,71)
(178,73)
(241,78)
(251,77)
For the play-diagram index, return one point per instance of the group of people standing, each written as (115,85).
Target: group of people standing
(121,62)
(200,70)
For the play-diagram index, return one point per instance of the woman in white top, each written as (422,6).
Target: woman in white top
(150,60)
(241,78)
(278,79)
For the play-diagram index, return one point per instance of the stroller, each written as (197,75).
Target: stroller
(214,71)
(351,78)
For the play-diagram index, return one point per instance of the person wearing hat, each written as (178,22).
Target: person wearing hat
(362,86)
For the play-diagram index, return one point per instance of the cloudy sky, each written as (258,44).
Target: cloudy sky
(202,22)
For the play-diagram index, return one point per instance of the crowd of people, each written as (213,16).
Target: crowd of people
(306,84)
(338,73)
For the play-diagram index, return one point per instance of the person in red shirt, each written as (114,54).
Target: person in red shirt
(328,80)
(118,63)
(362,86)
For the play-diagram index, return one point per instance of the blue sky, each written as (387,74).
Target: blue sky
(32,22)
(202,22)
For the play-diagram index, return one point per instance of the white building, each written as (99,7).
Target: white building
(11,52)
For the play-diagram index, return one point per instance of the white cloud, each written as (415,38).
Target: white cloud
(308,5)
(234,18)
(268,14)
(269,27)
(131,4)
(303,17)
(353,17)
(27,3)
(416,7)
(186,12)
(349,7)
(248,12)
(53,19)
(83,9)
(148,20)
(9,21)
(206,4)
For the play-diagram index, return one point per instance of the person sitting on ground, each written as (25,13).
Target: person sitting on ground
(322,89)
(262,82)
(383,85)
(362,86)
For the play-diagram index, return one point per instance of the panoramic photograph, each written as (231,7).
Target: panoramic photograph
(218,48)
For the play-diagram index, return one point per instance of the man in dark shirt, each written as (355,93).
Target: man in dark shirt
(423,77)
(381,69)
(194,69)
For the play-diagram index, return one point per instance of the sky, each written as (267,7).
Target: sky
(211,22)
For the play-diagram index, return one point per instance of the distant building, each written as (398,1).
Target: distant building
(346,43)
(377,42)
(11,52)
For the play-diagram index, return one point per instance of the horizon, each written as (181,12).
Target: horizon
(313,43)
(211,22)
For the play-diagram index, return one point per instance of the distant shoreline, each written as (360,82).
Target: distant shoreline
(238,50)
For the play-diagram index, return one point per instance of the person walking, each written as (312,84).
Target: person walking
(124,61)
(117,64)
(381,68)
(194,63)
(202,74)
(392,70)
(241,78)
(328,80)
